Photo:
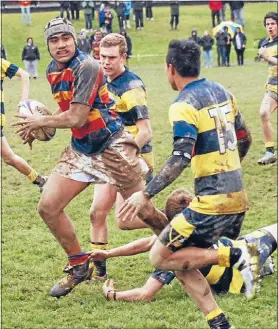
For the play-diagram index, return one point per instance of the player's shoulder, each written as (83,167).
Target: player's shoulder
(130,80)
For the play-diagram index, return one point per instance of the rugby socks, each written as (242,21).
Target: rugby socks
(33,176)
(217,320)
(269,147)
(78,259)
(227,256)
(99,266)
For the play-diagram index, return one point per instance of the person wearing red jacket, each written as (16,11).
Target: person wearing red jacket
(215,7)
(25,11)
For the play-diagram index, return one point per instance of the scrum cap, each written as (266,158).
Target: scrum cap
(58,25)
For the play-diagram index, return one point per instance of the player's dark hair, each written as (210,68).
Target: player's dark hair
(272,15)
(184,55)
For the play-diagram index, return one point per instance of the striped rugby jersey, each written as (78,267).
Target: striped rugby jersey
(82,81)
(207,113)
(7,70)
(272,50)
(129,93)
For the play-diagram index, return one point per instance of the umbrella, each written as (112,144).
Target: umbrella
(231,27)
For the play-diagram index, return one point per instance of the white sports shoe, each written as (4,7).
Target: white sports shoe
(268,158)
(248,266)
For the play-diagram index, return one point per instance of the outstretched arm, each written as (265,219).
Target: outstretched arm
(25,83)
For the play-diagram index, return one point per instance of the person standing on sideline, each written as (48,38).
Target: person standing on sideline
(139,16)
(7,154)
(31,56)
(149,10)
(206,43)
(215,7)
(221,47)
(269,52)
(65,7)
(25,7)
(120,10)
(175,14)
(83,42)
(228,43)
(96,44)
(237,12)
(89,7)
(74,8)
(194,36)
(239,41)
(100,150)
(129,45)
(127,14)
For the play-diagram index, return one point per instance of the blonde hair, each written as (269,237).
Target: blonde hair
(114,39)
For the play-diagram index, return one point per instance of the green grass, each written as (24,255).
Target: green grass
(31,258)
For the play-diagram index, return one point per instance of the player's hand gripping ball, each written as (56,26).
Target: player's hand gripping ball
(31,107)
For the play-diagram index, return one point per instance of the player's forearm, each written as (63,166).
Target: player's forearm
(62,120)
(143,137)
(271,60)
(133,248)
(25,83)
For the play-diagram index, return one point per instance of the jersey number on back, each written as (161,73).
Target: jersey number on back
(224,128)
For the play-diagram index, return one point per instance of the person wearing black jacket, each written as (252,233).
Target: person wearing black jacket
(221,38)
(120,10)
(237,11)
(206,42)
(138,10)
(149,10)
(228,43)
(239,44)
(31,56)
(194,36)
(128,43)
(74,8)
(64,6)
(175,13)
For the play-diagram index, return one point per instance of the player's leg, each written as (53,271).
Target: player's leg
(268,106)
(12,159)
(198,289)
(142,294)
(57,194)
(103,201)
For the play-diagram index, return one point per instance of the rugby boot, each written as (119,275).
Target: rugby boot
(268,158)
(268,267)
(75,275)
(220,322)
(248,266)
(40,181)
(98,270)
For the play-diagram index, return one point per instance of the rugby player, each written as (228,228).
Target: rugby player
(208,129)
(7,154)
(269,52)
(100,151)
(221,280)
(129,93)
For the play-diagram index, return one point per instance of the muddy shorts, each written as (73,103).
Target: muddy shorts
(119,164)
(191,228)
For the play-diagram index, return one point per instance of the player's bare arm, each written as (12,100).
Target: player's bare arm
(173,167)
(144,134)
(25,84)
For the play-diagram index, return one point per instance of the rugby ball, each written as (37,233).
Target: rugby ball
(31,107)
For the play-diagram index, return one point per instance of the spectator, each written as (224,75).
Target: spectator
(89,8)
(228,42)
(96,44)
(149,10)
(3,52)
(120,10)
(207,42)
(221,47)
(83,43)
(194,36)
(239,44)
(108,19)
(138,10)
(74,8)
(31,56)
(175,13)
(237,11)
(215,7)
(223,11)
(64,6)
(127,14)
(101,17)
(129,45)
(26,12)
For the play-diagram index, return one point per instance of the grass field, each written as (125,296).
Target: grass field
(32,261)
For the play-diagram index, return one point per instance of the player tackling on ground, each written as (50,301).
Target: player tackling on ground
(269,52)
(209,131)
(7,154)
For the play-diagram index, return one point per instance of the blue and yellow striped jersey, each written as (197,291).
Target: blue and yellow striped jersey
(272,50)
(7,70)
(207,113)
(129,93)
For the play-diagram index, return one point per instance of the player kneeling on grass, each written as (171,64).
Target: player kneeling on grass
(221,280)
(7,154)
